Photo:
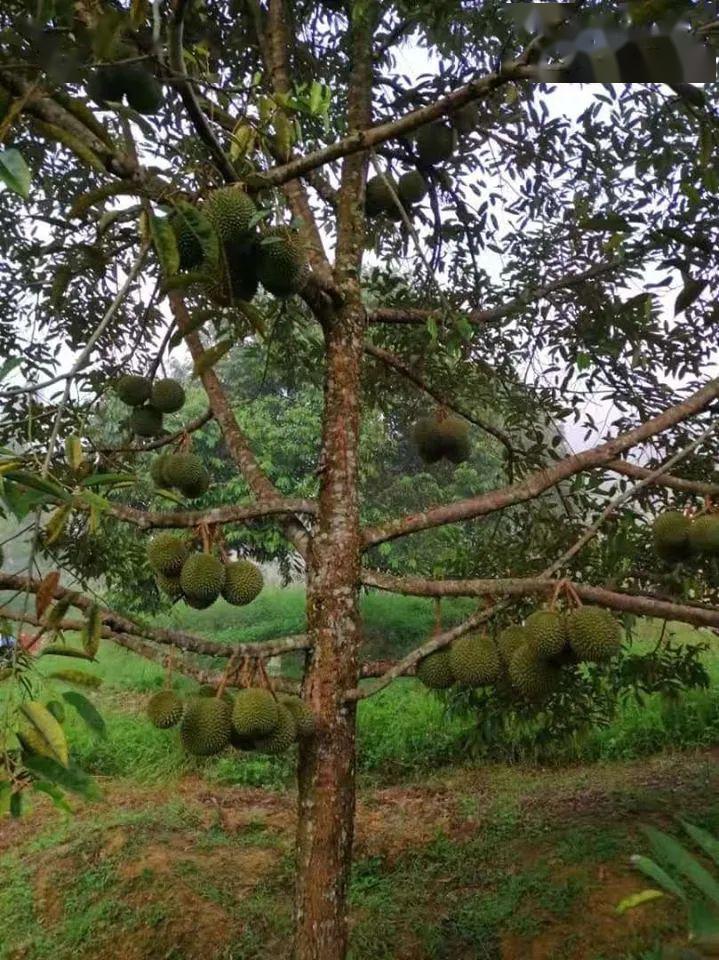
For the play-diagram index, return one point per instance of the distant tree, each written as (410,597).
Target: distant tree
(122,120)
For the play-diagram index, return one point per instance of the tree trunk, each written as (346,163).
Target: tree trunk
(326,775)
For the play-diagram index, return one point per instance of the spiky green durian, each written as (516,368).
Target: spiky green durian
(166,553)
(202,578)
(454,432)
(205,727)
(146,422)
(189,246)
(243,582)
(133,390)
(474,660)
(283,736)
(142,89)
(547,632)
(378,196)
(170,586)
(282,262)
(230,211)
(199,603)
(167,395)
(106,83)
(255,713)
(304,718)
(412,187)
(704,535)
(157,470)
(428,439)
(434,670)
(671,533)
(465,119)
(593,633)
(435,143)
(186,472)
(165,709)
(510,639)
(531,676)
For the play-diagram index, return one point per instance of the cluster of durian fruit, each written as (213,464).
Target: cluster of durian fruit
(433,143)
(199,578)
(126,79)
(254,719)
(274,257)
(526,660)
(678,537)
(442,435)
(149,400)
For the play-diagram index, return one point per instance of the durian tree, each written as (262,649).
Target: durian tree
(442,250)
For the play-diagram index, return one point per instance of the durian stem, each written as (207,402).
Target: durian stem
(265,678)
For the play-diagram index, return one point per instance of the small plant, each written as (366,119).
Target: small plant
(677,873)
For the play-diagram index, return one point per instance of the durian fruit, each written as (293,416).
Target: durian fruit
(167,553)
(531,676)
(230,211)
(106,83)
(238,277)
(202,578)
(133,390)
(170,586)
(255,713)
(243,582)
(241,743)
(455,438)
(474,660)
(546,632)
(304,718)
(594,635)
(146,422)
(189,247)
(282,262)
(671,533)
(205,727)
(186,472)
(167,395)
(198,603)
(207,690)
(434,670)
(435,143)
(157,470)
(509,640)
(283,736)
(704,534)
(165,709)
(142,89)
(378,196)
(412,188)
(465,119)
(428,439)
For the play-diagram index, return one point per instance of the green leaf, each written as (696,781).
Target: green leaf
(107,479)
(708,843)
(58,650)
(78,677)
(165,243)
(35,482)
(704,927)
(16,804)
(55,794)
(210,357)
(652,870)
(673,854)
(15,173)
(73,452)
(691,292)
(9,366)
(94,500)
(195,220)
(56,615)
(55,526)
(637,899)
(5,794)
(70,778)
(92,628)
(46,727)
(87,711)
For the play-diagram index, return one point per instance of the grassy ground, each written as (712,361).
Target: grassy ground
(454,859)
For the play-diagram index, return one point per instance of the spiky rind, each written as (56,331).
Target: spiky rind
(255,713)
(435,143)
(378,196)
(455,438)
(146,422)
(165,709)
(474,660)
(304,718)
(704,535)
(133,390)
(167,395)
(428,439)
(157,470)
(199,603)
(671,534)
(230,211)
(282,262)
(412,187)
(282,737)
(205,727)
(434,670)
(465,119)
(186,472)
(243,582)
(594,634)
(440,436)
(170,586)
(509,640)
(166,553)
(202,577)
(142,89)
(189,245)
(531,676)
(547,632)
